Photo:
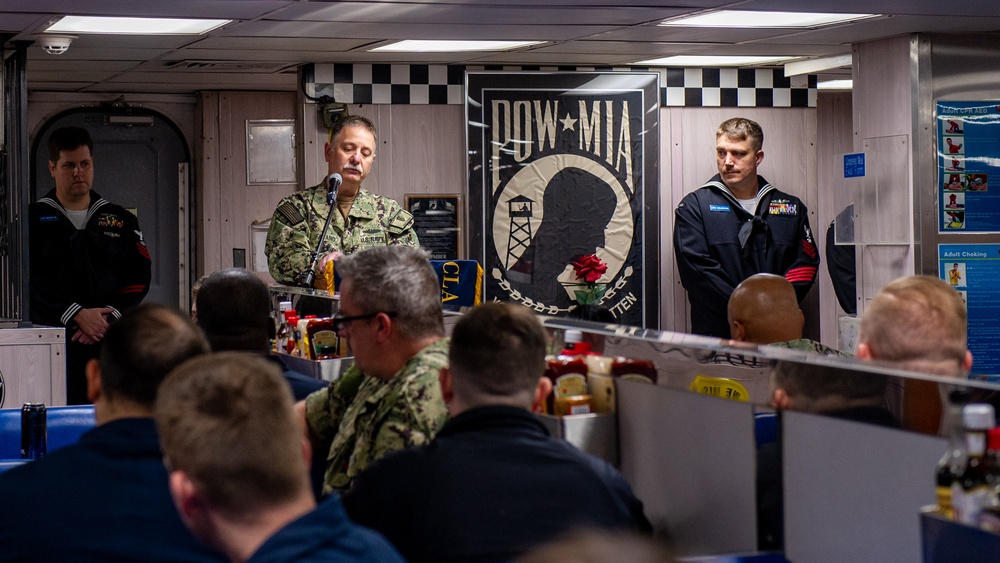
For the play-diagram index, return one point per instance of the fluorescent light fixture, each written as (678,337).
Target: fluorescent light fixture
(434,46)
(835,85)
(820,64)
(711,60)
(134,26)
(739,18)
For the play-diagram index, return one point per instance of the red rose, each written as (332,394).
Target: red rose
(589,268)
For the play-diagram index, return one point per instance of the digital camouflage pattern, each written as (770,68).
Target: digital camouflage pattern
(364,418)
(298,221)
(806,345)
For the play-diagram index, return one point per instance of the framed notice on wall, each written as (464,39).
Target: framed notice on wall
(437,221)
(563,171)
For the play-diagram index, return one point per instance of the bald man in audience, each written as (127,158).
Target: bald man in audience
(764,309)
(918,323)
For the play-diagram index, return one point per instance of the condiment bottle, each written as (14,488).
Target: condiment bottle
(278,318)
(569,377)
(574,344)
(575,404)
(952,463)
(292,336)
(302,335)
(638,370)
(989,519)
(970,492)
(323,340)
(283,332)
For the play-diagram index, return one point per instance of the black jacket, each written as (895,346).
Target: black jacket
(106,264)
(491,485)
(718,244)
(103,499)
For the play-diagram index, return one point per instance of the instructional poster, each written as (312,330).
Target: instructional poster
(968,138)
(972,269)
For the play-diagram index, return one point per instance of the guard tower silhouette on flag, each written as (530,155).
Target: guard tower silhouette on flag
(520,209)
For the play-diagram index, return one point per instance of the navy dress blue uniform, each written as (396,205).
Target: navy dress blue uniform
(718,244)
(325,535)
(105,264)
(104,499)
(491,485)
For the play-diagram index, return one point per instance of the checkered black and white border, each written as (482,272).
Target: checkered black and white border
(444,84)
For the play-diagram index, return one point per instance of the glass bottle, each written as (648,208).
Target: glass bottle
(283,332)
(970,491)
(569,379)
(952,463)
(989,519)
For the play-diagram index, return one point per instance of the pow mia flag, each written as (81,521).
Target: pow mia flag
(564,165)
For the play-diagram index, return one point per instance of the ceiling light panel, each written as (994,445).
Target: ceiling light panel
(431,46)
(835,85)
(711,60)
(134,26)
(746,19)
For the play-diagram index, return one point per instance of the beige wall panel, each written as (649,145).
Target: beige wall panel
(311,144)
(231,208)
(671,316)
(834,138)
(789,164)
(882,89)
(880,265)
(426,144)
(208,200)
(882,107)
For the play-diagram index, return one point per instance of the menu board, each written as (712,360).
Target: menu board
(968,136)
(972,269)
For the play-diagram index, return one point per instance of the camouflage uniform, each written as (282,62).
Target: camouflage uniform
(806,345)
(298,220)
(364,418)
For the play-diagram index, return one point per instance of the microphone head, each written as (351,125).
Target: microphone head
(333,182)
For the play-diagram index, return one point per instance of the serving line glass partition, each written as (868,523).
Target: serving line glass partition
(851,490)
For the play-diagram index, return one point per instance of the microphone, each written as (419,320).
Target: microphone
(333,182)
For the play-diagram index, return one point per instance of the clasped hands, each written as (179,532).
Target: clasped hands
(91,325)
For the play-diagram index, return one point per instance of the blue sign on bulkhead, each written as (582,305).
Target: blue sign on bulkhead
(972,269)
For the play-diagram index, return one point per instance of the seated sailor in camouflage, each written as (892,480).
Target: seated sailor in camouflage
(390,399)
(764,309)
(364,219)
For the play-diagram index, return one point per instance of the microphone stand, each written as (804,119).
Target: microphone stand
(307,277)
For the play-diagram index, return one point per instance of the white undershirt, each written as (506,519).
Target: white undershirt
(749,204)
(78,217)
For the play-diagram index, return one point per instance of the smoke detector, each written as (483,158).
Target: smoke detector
(55,44)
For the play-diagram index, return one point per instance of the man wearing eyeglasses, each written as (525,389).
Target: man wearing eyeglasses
(390,314)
